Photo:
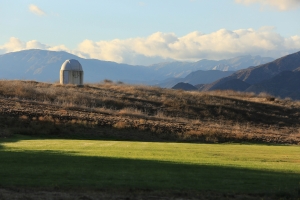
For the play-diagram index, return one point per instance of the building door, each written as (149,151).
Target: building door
(66,77)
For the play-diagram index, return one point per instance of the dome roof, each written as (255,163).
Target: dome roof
(71,65)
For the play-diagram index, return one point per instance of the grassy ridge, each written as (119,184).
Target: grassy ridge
(33,162)
(114,110)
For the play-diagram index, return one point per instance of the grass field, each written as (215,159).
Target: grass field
(93,164)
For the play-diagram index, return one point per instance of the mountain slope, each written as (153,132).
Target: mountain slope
(260,73)
(233,84)
(266,71)
(285,84)
(200,77)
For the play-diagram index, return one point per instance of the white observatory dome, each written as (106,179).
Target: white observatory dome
(71,65)
(71,72)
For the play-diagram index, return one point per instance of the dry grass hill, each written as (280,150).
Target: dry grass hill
(131,112)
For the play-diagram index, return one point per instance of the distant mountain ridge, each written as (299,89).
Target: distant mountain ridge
(43,65)
(196,77)
(280,78)
(260,73)
(232,64)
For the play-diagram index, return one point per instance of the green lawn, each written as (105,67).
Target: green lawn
(92,164)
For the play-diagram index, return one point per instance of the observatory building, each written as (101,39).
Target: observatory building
(71,72)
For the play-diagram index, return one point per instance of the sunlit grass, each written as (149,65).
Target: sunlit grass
(154,165)
(277,158)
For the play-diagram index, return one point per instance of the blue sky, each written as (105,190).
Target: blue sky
(150,31)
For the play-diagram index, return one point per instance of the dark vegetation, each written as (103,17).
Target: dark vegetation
(116,110)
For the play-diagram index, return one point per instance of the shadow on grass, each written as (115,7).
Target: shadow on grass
(50,169)
(60,127)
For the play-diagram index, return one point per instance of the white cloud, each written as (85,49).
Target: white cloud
(58,48)
(15,44)
(36,10)
(193,46)
(160,47)
(278,4)
(33,44)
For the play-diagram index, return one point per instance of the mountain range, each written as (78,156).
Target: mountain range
(42,65)
(280,78)
(175,68)
(196,77)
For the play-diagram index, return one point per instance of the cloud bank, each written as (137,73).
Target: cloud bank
(15,44)
(160,46)
(279,4)
(36,10)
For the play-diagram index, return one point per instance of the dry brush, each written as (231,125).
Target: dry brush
(109,109)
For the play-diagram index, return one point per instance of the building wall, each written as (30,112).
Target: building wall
(71,77)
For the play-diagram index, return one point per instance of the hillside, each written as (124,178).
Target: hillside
(110,110)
